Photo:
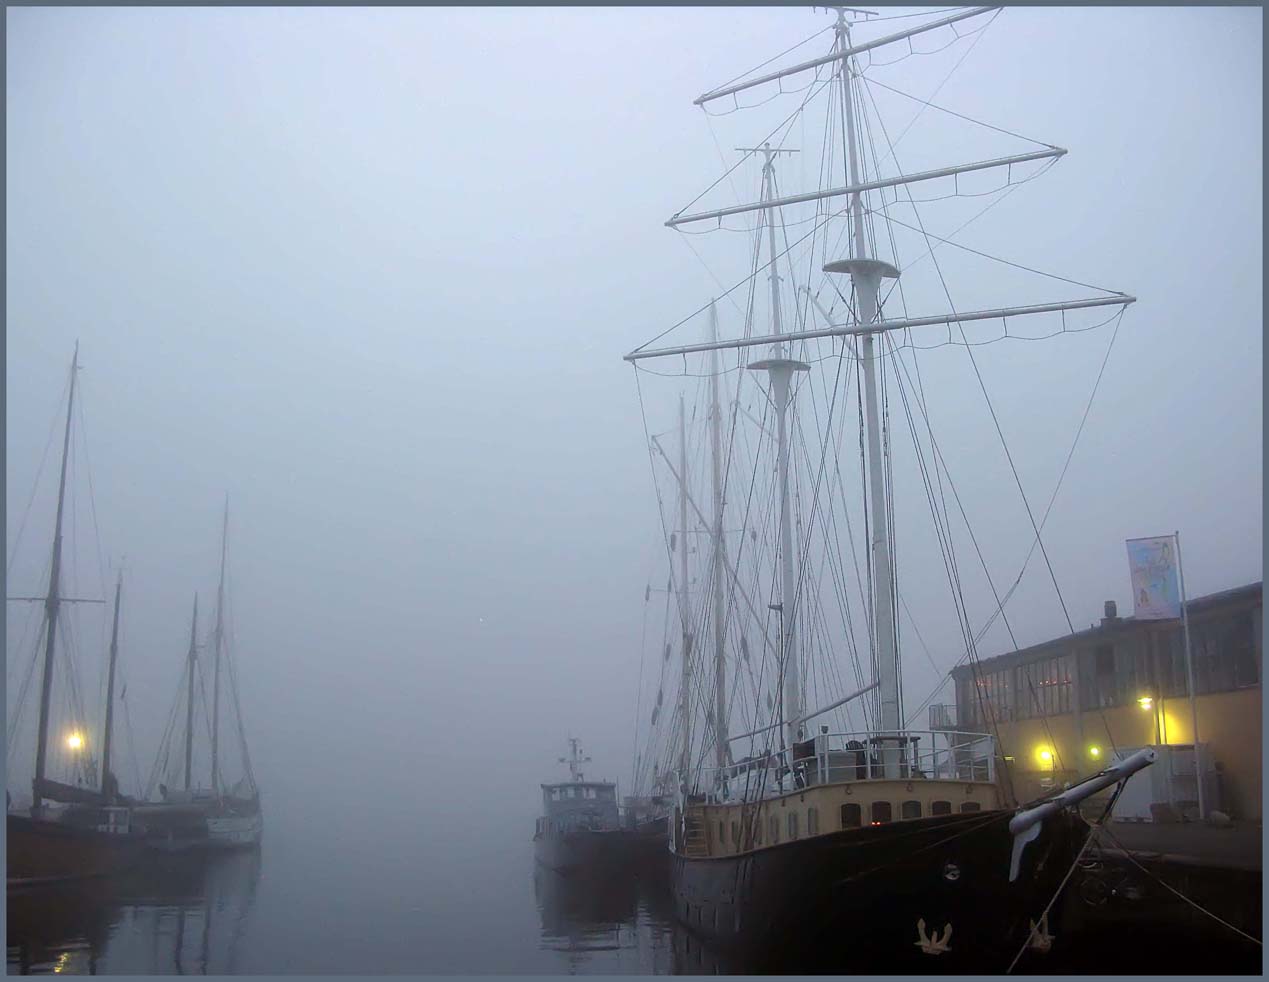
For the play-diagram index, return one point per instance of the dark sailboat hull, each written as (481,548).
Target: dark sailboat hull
(881,898)
(51,852)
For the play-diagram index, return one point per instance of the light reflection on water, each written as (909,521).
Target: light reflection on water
(174,915)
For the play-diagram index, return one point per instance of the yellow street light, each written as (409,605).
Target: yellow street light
(75,741)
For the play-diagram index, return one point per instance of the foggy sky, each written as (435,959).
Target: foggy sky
(372,272)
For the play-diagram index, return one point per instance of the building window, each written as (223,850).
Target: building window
(1246,665)
(971,806)
(940,808)
(881,812)
(1105,684)
(910,809)
(812,822)
(852,817)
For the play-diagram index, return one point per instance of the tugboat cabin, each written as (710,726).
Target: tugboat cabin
(577,805)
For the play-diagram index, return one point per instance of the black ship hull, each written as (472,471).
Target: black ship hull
(881,898)
(575,850)
(41,852)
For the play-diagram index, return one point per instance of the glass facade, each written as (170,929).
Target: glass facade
(1116,667)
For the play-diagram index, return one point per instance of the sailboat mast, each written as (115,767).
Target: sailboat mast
(867,280)
(685,701)
(720,555)
(218,639)
(780,369)
(107,784)
(189,697)
(53,601)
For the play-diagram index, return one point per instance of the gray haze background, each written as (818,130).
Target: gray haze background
(372,272)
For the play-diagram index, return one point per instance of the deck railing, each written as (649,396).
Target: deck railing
(935,755)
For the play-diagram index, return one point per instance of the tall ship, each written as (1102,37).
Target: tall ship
(833,826)
(186,814)
(580,829)
(78,824)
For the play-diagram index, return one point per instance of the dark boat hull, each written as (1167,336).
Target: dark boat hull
(597,850)
(881,898)
(41,852)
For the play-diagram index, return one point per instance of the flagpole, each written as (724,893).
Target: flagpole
(1189,671)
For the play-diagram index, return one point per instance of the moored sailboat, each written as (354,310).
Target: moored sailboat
(90,834)
(214,817)
(882,845)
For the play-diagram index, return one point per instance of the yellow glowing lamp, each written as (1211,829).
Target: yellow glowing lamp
(1094,751)
(1145,702)
(1046,756)
(75,741)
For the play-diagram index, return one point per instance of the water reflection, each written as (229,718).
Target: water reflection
(174,915)
(606,924)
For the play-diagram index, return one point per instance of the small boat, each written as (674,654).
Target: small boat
(580,830)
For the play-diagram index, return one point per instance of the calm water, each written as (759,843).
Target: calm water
(382,897)
(354,907)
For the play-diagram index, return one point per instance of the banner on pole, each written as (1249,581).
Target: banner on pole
(1156,594)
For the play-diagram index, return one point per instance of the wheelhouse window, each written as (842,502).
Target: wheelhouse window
(971,806)
(793,825)
(940,808)
(775,829)
(812,822)
(852,816)
(882,812)
(910,809)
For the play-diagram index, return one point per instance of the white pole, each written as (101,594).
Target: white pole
(866,287)
(720,561)
(685,613)
(1189,671)
(780,368)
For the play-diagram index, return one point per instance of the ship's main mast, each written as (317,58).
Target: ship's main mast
(52,604)
(866,274)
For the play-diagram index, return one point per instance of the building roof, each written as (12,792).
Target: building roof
(1107,628)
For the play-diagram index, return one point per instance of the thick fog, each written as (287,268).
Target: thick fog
(371,274)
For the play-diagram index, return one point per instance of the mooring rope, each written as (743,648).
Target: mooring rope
(1197,906)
